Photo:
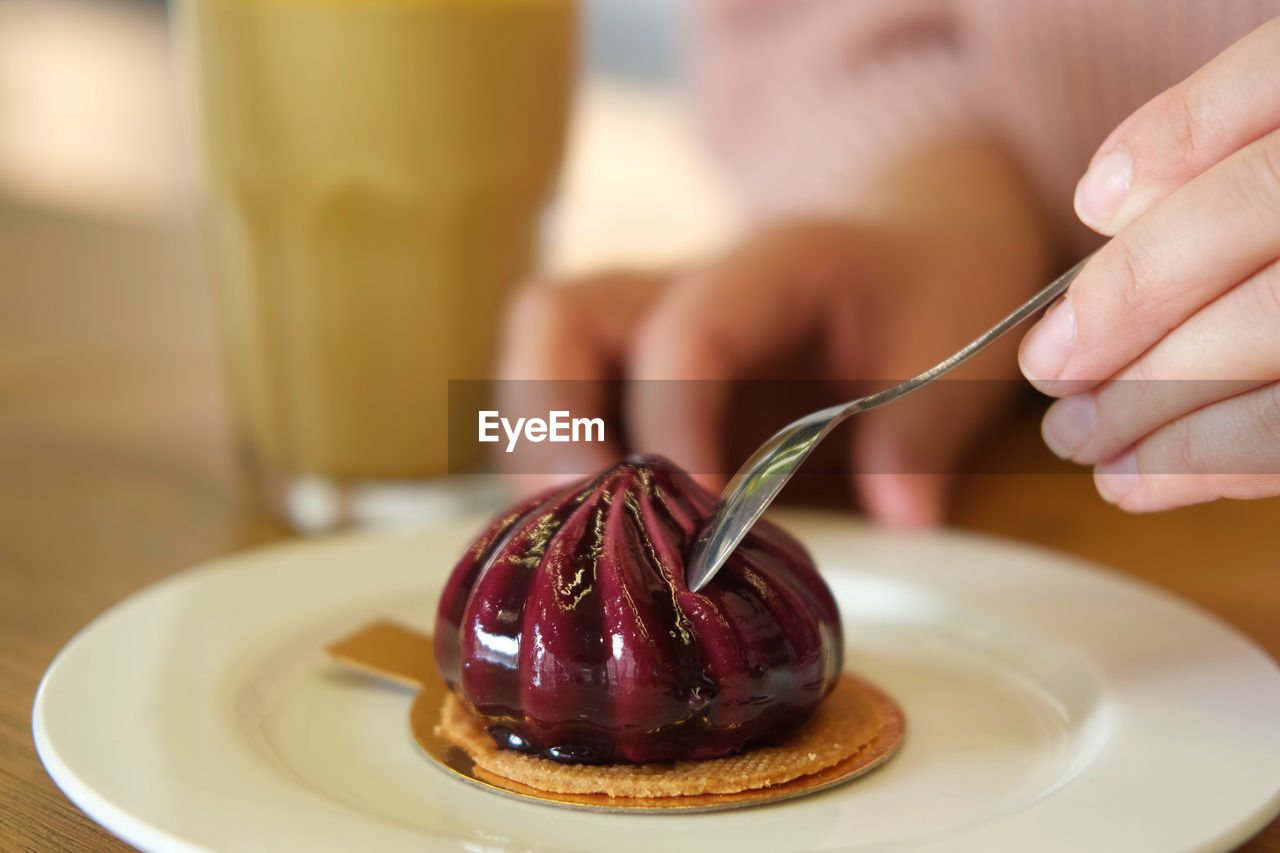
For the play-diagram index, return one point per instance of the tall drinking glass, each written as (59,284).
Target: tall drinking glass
(374,173)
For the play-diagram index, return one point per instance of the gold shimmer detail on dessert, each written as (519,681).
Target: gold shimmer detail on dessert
(575,637)
(856,721)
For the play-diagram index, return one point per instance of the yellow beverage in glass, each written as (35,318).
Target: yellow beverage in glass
(374,176)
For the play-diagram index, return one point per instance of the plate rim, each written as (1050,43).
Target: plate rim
(139,831)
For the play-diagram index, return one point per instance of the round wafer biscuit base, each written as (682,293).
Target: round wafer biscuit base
(854,728)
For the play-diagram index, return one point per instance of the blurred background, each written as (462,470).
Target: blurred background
(117,466)
(90,125)
(103,272)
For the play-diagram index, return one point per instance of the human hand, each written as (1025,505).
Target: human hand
(876,296)
(1166,349)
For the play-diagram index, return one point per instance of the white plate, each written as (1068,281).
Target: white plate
(1051,706)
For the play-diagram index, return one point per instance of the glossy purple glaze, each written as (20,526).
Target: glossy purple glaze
(568,627)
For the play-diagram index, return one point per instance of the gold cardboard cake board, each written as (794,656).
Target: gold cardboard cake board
(399,654)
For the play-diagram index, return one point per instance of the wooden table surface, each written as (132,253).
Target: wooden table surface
(116,470)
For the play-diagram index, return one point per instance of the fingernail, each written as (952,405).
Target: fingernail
(1048,345)
(1117,478)
(1103,188)
(1069,424)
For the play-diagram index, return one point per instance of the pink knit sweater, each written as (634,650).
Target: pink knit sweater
(806,99)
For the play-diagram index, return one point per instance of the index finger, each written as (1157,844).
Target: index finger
(1206,238)
(1230,102)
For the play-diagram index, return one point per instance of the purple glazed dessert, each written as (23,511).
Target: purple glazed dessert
(568,629)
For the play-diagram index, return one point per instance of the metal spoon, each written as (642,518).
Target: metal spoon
(762,476)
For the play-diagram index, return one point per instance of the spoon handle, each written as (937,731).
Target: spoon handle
(762,477)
